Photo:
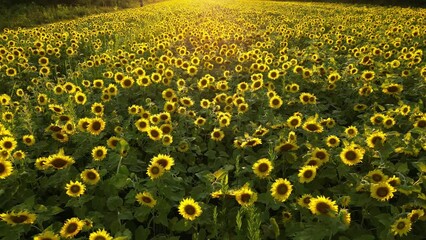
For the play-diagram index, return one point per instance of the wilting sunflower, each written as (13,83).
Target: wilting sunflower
(71,227)
(96,126)
(382,191)
(6,169)
(262,167)
(155,170)
(47,235)
(377,176)
(245,196)
(375,139)
(352,154)
(154,133)
(90,176)
(307,173)
(21,217)
(59,160)
(401,227)
(281,189)
(100,235)
(165,161)
(323,206)
(145,198)
(189,209)
(99,153)
(75,189)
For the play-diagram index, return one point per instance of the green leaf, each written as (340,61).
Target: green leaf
(142,213)
(142,233)
(114,202)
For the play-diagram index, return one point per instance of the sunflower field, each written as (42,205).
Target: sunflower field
(216,120)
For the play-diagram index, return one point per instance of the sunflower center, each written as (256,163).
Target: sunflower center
(282,189)
(322,207)
(91,175)
(294,122)
(190,210)
(400,225)
(263,167)
(146,199)
(350,155)
(19,218)
(7,145)
(216,134)
(96,125)
(286,147)
(332,141)
(75,189)
(308,174)
(155,133)
(421,124)
(305,98)
(163,162)
(377,177)
(312,127)
(320,155)
(275,102)
(393,89)
(155,170)
(100,238)
(59,162)
(245,197)
(2,168)
(382,191)
(306,200)
(99,153)
(71,228)
(376,139)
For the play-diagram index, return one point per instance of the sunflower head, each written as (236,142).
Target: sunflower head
(323,206)
(262,167)
(145,198)
(281,189)
(189,209)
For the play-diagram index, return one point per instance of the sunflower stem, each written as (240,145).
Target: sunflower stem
(119,165)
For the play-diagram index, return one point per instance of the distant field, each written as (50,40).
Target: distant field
(216,120)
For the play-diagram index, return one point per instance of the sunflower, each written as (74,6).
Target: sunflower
(394,181)
(59,160)
(415,214)
(401,227)
(96,126)
(7,116)
(388,122)
(345,216)
(80,98)
(71,227)
(164,160)
(262,167)
(21,217)
(8,144)
(245,196)
(145,198)
(321,154)
(189,209)
(275,102)
(217,135)
(376,139)
(312,126)
(154,133)
(100,235)
(99,153)
(281,189)
(167,139)
(75,189)
(351,131)
(377,176)
(352,154)
(392,89)
(420,123)
(47,235)
(41,163)
(368,75)
(294,121)
(142,124)
(382,191)
(90,176)
(307,173)
(323,206)
(200,121)
(285,147)
(155,170)
(332,141)
(97,109)
(19,155)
